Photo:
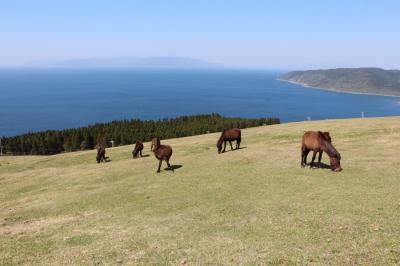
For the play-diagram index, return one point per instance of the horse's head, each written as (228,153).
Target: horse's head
(135,152)
(155,143)
(136,149)
(335,163)
(219,147)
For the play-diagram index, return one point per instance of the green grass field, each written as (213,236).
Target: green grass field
(253,206)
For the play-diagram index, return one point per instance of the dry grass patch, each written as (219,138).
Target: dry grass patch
(33,226)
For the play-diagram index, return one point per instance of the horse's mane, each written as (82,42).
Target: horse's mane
(331,151)
(221,136)
(325,135)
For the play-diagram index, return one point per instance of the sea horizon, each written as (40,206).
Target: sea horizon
(38,99)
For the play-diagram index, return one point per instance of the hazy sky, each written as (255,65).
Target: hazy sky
(284,34)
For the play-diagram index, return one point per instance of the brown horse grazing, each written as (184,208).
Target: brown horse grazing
(162,152)
(229,135)
(101,153)
(137,150)
(318,141)
(327,137)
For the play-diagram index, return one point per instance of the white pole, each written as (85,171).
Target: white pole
(362,114)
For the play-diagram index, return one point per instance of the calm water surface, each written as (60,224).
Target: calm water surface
(32,100)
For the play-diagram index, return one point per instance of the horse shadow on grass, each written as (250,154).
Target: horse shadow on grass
(321,166)
(173,167)
(143,156)
(241,148)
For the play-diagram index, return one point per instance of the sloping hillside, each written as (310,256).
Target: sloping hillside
(356,80)
(254,205)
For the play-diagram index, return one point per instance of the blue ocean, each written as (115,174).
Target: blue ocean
(40,99)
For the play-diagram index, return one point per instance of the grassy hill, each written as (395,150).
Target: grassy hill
(251,206)
(356,80)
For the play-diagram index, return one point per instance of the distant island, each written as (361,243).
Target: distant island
(127,62)
(375,81)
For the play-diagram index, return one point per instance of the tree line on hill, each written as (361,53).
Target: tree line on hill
(123,132)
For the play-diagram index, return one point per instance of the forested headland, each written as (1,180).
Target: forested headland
(356,80)
(123,132)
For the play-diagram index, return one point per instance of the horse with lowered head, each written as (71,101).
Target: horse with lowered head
(137,151)
(319,142)
(229,135)
(101,152)
(161,152)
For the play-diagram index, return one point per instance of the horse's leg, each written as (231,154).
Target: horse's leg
(313,159)
(169,166)
(319,159)
(230,142)
(141,153)
(304,153)
(224,145)
(159,165)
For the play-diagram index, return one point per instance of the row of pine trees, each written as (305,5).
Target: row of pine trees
(123,132)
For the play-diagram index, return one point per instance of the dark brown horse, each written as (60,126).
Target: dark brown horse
(162,152)
(101,153)
(101,146)
(319,142)
(229,135)
(137,151)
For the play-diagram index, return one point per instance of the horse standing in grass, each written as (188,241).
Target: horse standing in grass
(229,135)
(319,142)
(162,152)
(137,151)
(101,153)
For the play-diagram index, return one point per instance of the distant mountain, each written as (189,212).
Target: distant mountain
(356,80)
(128,62)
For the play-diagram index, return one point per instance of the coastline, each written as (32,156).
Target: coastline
(336,90)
